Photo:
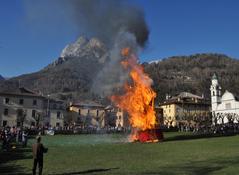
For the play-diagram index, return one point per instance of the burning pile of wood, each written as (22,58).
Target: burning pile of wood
(138,101)
(150,135)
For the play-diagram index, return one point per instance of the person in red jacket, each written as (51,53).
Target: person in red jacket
(38,150)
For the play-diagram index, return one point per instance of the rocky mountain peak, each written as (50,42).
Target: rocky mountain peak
(83,48)
(95,43)
(81,41)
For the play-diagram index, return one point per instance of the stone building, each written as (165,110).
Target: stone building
(116,117)
(159,115)
(185,108)
(86,115)
(91,114)
(225,108)
(24,107)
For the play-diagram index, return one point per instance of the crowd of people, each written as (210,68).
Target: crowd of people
(11,136)
(226,128)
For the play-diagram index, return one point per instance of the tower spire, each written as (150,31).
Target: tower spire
(215,92)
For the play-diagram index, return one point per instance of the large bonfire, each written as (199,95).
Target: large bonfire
(138,101)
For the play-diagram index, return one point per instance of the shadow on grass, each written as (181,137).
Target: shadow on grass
(88,171)
(195,136)
(6,167)
(199,167)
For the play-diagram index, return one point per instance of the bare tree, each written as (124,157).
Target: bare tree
(39,118)
(21,116)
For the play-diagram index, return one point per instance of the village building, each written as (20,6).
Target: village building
(159,115)
(116,117)
(23,107)
(91,114)
(185,109)
(225,108)
(86,115)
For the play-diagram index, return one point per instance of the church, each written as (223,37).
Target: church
(225,108)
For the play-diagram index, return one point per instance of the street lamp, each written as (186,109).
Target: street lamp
(48,108)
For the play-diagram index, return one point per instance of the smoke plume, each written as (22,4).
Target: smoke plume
(106,18)
(118,23)
(99,18)
(112,77)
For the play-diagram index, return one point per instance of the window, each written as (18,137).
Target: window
(58,114)
(97,113)
(34,102)
(54,106)
(20,112)
(228,105)
(48,113)
(33,113)
(79,112)
(7,100)
(5,111)
(57,124)
(21,101)
(4,123)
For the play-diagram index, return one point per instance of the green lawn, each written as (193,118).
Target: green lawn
(180,153)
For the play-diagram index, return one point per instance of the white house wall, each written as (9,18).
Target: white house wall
(228,105)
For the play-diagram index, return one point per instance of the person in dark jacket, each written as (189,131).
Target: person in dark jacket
(38,150)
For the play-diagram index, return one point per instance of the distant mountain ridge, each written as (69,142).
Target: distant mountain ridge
(70,77)
(1,78)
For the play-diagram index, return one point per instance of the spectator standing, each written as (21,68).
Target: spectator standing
(38,150)
(24,139)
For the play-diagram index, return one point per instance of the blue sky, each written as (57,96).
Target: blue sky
(177,27)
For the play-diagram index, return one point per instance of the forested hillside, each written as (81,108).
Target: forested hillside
(193,73)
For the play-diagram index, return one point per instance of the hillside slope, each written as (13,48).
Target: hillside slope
(70,77)
(193,73)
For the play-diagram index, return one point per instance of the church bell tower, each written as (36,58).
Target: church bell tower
(215,92)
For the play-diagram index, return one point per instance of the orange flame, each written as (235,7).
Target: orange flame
(125,51)
(138,100)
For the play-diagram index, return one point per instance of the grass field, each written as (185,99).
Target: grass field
(180,153)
